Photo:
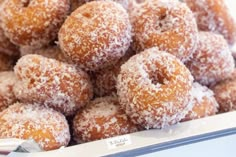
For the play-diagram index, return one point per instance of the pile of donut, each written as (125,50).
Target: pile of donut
(84,70)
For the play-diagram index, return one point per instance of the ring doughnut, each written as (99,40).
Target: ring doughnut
(32,121)
(154,88)
(52,83)
(96,35)
(166,24)
(214,16)
(33,22)
(101,118)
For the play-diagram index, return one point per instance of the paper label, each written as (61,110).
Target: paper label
(119,141)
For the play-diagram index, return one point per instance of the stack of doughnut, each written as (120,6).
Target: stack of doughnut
(75,71)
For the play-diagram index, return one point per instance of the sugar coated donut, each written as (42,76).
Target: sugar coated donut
(203,103)
(212,61)
(154,88)
(52,83)
(7,81)
(167,24)
(214,16)
(6,46)
(225,93)
(32,121)
(101,118)
(77,3)
(33,22)
(96,34)
(104,80)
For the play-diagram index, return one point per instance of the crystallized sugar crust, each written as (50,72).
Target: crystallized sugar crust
(154,88)
(55,84)
(33,22)
(77,3)
(166,24)
(212,61)
(32,121)
(214,16)
(96,35)
(101,118)
(203,102)
(7,81)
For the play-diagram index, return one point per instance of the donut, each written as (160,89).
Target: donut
(101,118)
(203,103)
(104,80)
(166,24)
(64,87)
(225,93)
(33,121)
(6,46)
(77,3)
(33,22)
(96,35)
(53,52)
(6,62)
(212,61)
(154,88)
(214,16)
(7,81)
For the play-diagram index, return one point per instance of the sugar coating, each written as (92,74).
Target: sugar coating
(212,61)
(225,93)
(101,118)
(214,16)
(154,88)
(104,80)
(50,51)
(96,34)
(33,121)
(77,3)
(166,24)
(7,81)
(6,46)
(33,22)
(203,102)
(6,62)
(61,86)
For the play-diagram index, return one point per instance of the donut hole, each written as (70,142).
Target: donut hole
(156,79)
(163,23)
(25,3)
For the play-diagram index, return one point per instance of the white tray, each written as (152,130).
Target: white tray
(145,142)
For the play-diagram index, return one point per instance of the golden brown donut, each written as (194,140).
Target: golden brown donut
(166,24)
(203,103)
(7,82)
(225,93)
(96,35)
(32,121)
(214,16)
(154,88)
(33,22)
(212,61)
(52,83)
(101,118)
